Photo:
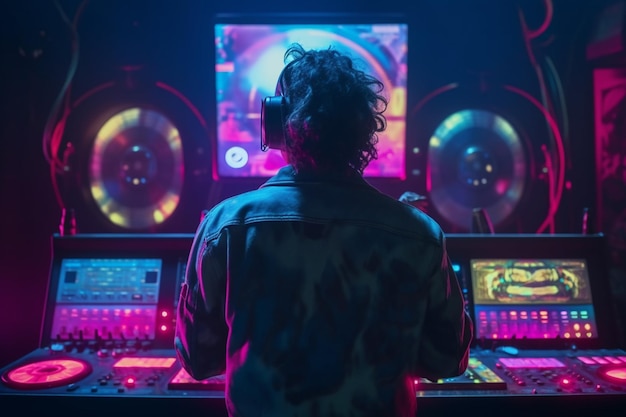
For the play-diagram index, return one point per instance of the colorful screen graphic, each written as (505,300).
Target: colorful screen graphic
(249,58)
(107,298)
(532,298)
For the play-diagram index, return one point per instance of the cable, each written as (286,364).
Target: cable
(558,88)
(54,128)
(556,168)
(532,34)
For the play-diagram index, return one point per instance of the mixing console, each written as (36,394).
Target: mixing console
(53,370)
(107,334)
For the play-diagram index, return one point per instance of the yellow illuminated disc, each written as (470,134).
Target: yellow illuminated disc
(136,168)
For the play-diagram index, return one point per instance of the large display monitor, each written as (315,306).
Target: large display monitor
(249,53)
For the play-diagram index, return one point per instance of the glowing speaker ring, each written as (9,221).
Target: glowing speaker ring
(475,160)
(136,168)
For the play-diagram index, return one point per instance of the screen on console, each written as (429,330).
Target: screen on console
(107,298)
(249,58)
(532,299)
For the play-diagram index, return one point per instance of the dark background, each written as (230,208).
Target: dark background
(173,41)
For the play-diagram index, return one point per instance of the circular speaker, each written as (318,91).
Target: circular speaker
(482,148)
(136,168)
(476,159)
(142,160)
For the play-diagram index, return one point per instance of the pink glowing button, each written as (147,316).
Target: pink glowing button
(533,363)
(142,362)
(614,373)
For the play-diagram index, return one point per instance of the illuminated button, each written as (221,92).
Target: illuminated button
(137,297)
(567,383)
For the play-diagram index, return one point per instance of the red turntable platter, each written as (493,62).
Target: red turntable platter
(46,373)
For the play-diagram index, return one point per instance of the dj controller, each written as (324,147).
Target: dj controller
(107,332)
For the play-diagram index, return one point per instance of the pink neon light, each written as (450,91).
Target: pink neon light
(419,106)
(535,363)
(532,34)
(554,201)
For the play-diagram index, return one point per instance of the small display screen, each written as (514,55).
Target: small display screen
(107,298)
(249,59)
(532,299)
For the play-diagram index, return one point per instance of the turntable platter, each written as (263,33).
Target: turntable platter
(46,373)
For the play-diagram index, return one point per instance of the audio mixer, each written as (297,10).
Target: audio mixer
(545,339)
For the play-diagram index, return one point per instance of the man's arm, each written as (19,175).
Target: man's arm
(448,330)
(201,332)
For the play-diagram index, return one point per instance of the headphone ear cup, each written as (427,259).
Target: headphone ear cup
(273,123)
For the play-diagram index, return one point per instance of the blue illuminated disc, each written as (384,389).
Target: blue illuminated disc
(475,160)
(136,168)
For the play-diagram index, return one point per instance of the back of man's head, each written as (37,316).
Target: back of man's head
(334,111)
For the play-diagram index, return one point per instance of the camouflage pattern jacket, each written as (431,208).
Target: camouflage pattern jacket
(320,297)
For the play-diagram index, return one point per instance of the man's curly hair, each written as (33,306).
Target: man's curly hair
(334,111)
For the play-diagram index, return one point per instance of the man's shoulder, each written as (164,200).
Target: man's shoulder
(363,205)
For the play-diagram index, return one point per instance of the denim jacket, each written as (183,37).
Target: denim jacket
(320,297)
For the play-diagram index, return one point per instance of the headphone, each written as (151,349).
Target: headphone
(273,117)
(273,113)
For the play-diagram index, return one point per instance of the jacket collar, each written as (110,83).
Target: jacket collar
(287,175)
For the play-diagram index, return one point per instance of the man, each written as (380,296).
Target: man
(316,294)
